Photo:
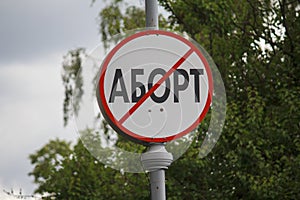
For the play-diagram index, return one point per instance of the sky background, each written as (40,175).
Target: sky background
(34,36)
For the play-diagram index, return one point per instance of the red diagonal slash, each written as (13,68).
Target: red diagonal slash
(160,81)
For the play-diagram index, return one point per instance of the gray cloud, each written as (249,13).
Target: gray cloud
(34,35)
(30,115)
(32,28)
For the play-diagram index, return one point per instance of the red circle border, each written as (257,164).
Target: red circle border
(119,128)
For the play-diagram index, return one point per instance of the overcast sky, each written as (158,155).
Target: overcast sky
(34,36)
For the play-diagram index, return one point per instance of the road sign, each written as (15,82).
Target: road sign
(154,86)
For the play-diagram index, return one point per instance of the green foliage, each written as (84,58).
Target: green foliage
(256,46)
(47,161)
(72,81)
(113,21)
(65,172)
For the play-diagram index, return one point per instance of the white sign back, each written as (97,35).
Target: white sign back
(154,86)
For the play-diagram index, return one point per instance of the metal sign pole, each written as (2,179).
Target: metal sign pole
(156,159)
(151,14)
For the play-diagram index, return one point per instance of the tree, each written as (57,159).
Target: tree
(66,172)
(256,46)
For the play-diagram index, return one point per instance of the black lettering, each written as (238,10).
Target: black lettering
(164,97)
(182,86)
(196,73)
(123,93)
(135,85)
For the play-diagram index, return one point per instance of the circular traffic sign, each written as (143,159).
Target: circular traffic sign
(154,86)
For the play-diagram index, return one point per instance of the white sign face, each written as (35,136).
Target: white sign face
(154,86)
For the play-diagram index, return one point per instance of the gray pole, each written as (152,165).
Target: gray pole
(157,179)
(156,160)
(151,14)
